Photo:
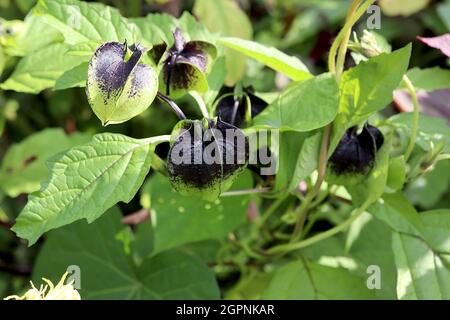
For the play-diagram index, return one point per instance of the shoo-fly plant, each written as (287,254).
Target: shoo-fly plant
(356,152)
(210,165)
(49,291)
(118,86)
(238,106)
(206,156)
(184,65)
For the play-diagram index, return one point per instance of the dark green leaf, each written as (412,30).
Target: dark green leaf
(227,18)
(431,130)
(41,69)
(298,157)
(81,21)
(23,167)
(396,174)
(178,219)
(304,106)
(427,190)
(75,77)
(107,272)
(436,229)
(307,280)
(368,88)
(421,273)
(369,241)
(85,182)
(395,210)
(292,67)
(430,79)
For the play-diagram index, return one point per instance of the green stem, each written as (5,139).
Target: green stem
(201,104)
(159,165)
(311,221)
(341,42)
(323,160)
(348,26)
(234,193)
(344,43)
(273,207)
(255,231)
(321,236)
(157,140)
(250,252)
(301,216)
(412,91)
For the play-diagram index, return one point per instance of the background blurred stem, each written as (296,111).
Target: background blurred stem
(321,236)
(415,122)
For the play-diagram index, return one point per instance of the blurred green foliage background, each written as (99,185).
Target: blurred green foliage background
(304,28)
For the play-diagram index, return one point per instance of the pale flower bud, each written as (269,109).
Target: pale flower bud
(50,292)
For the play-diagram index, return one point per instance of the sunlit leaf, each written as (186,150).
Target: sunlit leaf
(86,181)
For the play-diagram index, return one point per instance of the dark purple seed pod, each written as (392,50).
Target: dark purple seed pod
(206,156)
(185,65)
(119,87)
(236,110)
(355,152)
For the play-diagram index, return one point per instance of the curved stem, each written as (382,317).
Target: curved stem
(321,236)
(157,140)
(172,104)
(250,252)
(322,169)
(415,122)
(348,26)
(201,104)
(344,43)
(273,207)
(302,212)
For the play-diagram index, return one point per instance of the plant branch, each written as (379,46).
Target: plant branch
(323,160)
(244,192)
(159,165)
(412,91)
(273,207)
(157,139)
(321,236)
(344,43)
(350,22)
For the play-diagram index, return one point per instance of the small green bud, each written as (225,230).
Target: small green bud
(368,46)
(118,87)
